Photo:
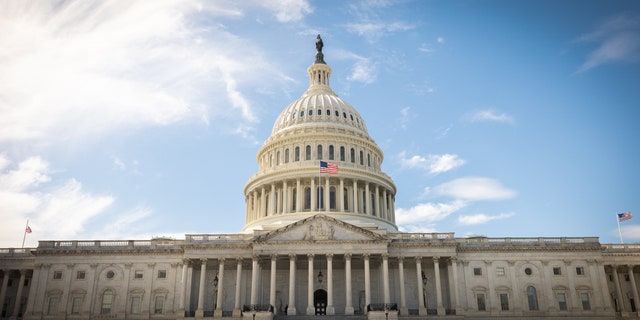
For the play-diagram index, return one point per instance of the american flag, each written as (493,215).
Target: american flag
(326,167)
(624,216)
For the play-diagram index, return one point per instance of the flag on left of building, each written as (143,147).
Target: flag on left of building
(624,216)
(327,167)
(28,229)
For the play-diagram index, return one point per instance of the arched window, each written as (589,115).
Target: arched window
(364,201)
(328,112)
(320,198)
(307,153)
(532,297)
(107,302)
(353,155)
(361,158)
(310,112)
(295,199)
(319,112)
(342,154)
(369,159)
(307,198)
(345,200)
(332,198)
(278,158)
(330,152)
(319,152)
(296,157)
(286,155)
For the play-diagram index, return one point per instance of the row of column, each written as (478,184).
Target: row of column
(634,288)
(6,273)
(279,198)
(330,309)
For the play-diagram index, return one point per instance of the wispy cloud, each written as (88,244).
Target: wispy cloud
(287,11)
(616,39)
(364,70)
(474,189)
(428,212)
(433,164)
(630,232)
(482,218)
(490,116)
(372,31)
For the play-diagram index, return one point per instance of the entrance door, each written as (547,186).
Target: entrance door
(320,301)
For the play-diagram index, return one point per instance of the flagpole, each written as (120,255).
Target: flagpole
(619,231)
(25,233)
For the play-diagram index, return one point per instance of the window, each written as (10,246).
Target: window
(80,275)
(532,298)
(353,155)
(301,114)
(342,156)
(337,113)
(296,157)
(286,156)
(528,271)
(307,153)
(331,153)
(344,114)
(319,112)
(562,301)
(332,198)
(481,302)
(76,304)
(320,198)
(500,271)
(138,274)
(307,198)
(162,274)
(278,158)
(294,200)
(110,274)
(361,158)
(586,305)
(52,308)
(368,159)
(135,304)
(477,271)
(159,305)
(107,302)
(504,301)
(328,112)
(319,155)
(557,271)
(57,275)
(345,201)
(580,271)
(310,112)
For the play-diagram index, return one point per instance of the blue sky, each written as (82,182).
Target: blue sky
(130,120)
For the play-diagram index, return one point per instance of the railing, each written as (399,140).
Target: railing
(541,241)
(192,238)
(622,247)
(86,244)
(15,252)
(257,308)
(409,237)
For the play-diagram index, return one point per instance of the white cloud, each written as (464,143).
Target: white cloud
(77,70)
(474,189)
(363,71)
(373,31)
(440,40)
(427,212)
(434,164)
(55,210)
(617,39)
(482,218)
(491,116)
(630,232)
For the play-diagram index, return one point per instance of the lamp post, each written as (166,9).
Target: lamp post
(215,293)
(424,288)
(386,311)
(320,277)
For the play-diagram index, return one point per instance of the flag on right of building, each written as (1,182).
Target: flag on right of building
(624,216)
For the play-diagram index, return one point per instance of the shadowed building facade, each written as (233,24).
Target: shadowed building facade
(320,238)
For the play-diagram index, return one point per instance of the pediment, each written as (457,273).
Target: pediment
(319,228)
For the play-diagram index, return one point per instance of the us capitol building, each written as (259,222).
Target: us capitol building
(321,244)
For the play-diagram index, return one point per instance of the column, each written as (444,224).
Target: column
(340,202)
(634,287)
(256,207)
(272,288)
(236,307)
(619,295)
(297,195)
(203,272)
(367,200)
(183,283)
(367,281)
(310,308)
(454,267)
(272,200)
(285,197)
(254,281)
(377,212)
(403,298)
(393,208)
(574,302)
(327,199)
(314,195)
(16,306)
(385,278)
(263,204)
(355,196)
(292,285)
(5,283)
(218,309)
(385,212)
(439,306)
(422,310)
(348,309)
(519,304)
(330,309)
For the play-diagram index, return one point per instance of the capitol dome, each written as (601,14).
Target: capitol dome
(319,128)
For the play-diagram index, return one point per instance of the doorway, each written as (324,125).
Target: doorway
(320,302)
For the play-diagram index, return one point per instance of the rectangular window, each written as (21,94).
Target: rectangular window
(500,271)
(580,271)
(477,271)
(162,274)
(57,275)
(557,271)
(52,309)
(135,304)
(481,302)
(80,275)
(76,303)
(504,301)
(562,301)
(138,274)
(586,305)
(159,305)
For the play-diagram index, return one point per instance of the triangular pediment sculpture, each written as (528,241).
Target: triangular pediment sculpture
(318,228)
